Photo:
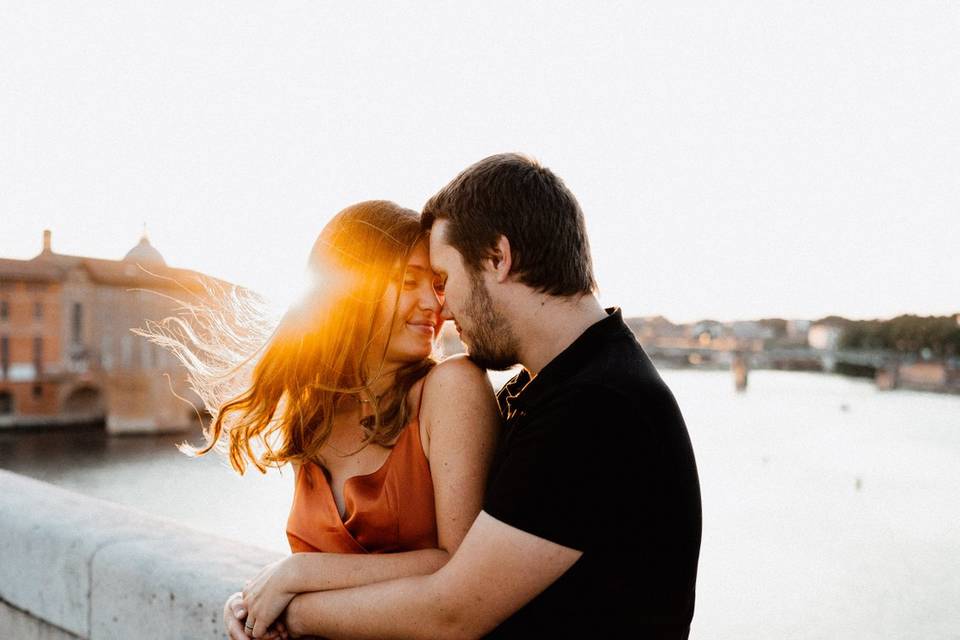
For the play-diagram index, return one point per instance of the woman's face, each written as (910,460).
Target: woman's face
(418,312)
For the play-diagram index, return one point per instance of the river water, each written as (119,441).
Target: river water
(830,509)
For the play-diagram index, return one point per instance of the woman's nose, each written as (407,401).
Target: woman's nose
(430,300)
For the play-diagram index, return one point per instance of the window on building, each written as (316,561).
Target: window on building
(4,310)
(37,310)
(38,355)
(6,403)
(4,355)
(126,351)
(106,352)
(76,323)
(38,391)
(146,354)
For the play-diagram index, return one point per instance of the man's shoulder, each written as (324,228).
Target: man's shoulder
(618,374)
(577,395)
(619,392)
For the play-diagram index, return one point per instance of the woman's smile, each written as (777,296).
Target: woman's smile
(425,328)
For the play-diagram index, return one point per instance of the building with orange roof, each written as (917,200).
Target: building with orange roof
(67,355)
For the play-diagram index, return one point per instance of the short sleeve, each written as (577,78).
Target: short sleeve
(551,478)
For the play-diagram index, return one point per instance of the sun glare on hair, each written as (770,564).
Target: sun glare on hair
(313,285)
(290,291)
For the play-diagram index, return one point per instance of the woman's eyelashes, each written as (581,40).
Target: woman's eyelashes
(412,282)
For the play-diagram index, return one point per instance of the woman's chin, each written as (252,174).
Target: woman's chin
(411,355)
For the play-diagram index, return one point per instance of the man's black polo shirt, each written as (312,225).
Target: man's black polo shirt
(595,456)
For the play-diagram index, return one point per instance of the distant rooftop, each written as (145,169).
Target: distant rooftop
(145,253)
(140,266)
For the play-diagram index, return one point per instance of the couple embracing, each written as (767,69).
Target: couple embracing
(425,505)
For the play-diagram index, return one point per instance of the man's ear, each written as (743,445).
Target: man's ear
(501,259)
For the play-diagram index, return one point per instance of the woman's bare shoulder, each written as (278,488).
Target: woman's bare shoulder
(455,369)
(455,381)
(458,406)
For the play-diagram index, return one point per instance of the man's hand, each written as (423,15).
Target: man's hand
(234,618)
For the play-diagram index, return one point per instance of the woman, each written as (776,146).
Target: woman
(390,449)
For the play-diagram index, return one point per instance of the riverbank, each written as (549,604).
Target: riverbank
(932,377)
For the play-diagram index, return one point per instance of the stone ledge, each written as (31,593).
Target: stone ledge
(21,625)
(99,570)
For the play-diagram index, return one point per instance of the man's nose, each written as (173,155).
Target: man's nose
(445,312)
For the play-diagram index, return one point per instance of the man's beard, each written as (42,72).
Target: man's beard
(492,343)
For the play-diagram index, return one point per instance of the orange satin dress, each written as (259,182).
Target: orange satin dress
(391,509)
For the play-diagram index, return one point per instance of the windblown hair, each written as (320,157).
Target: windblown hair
(270,387)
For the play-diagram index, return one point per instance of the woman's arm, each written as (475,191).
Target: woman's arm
(266,596)
(460,417)
(459,413)
(322,571)
(497,570)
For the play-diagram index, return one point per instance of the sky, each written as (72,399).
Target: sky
(733,160)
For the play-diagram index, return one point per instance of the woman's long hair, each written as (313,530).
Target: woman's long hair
(272,388)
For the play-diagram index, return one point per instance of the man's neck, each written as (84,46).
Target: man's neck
(547,328)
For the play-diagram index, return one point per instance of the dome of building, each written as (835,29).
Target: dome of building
(145,253)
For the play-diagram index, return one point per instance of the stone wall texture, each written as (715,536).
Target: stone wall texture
(72,566)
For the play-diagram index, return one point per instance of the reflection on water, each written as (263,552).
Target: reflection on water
(147,472)
(53,454)
(830,509)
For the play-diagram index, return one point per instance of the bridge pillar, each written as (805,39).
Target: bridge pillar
(888,377)
(740,367)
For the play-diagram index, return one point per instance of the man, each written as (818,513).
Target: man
(591,522)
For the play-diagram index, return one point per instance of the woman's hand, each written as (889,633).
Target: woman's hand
(235,615)
(267,595)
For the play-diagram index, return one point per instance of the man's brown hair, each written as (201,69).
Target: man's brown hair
(513,195)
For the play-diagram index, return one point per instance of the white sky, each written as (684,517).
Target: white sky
(749,160)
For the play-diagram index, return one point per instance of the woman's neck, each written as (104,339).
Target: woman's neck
(381,379)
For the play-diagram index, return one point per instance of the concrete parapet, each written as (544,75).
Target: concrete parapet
(21,625)
(99,570)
